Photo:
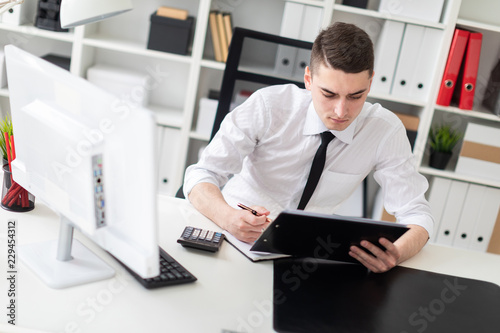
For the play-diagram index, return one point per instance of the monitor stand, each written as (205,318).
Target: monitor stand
(64,263)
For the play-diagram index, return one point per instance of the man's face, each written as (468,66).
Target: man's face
(338,97)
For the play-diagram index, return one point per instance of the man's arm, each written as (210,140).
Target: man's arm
(207,198)
(404,248)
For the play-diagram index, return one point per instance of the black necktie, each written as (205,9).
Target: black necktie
(316,169)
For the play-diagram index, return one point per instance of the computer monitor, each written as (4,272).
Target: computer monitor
(90,157)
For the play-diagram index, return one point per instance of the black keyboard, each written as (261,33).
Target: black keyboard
(171,273)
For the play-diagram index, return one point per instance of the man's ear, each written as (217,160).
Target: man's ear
(307,78)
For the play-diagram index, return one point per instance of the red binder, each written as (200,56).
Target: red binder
(452,68)
(471,64)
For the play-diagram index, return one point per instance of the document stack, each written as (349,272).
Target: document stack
(405,60)
(466,215)
(458,85)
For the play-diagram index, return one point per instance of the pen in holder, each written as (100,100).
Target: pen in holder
(14,197)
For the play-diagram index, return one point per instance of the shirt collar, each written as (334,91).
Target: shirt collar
(314,125)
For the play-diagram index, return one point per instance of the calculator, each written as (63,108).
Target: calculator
(201,239)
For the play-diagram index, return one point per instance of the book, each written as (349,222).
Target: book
(175,13)
(228,27)
(224,45)
(214,31)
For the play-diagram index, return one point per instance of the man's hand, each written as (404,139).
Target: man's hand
(245,226)
(404,248)
(242,224)
(379,261)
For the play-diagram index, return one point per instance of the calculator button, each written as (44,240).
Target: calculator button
(196,233)
(210,235)
(203,234)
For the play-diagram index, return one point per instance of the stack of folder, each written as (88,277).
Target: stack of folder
(302,22)
(459,79)
(221,29)
(466,215)
(405,60)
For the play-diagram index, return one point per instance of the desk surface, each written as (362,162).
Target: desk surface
(232,293)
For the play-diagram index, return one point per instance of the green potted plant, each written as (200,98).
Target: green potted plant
(442,140)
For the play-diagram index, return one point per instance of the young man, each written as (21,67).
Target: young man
(263,152)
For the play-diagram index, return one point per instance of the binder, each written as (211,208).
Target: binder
(386,56)
(451,212)
(311,25)
(425,65)
(438,196)
(169,145)
(491,99)
(426,10)
(488,215)
(409,56)
(450,75)
(290,27)
(468,75)
(468,218)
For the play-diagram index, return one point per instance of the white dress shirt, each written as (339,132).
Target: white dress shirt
(263,153)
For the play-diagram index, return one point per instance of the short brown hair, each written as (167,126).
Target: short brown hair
(344,47)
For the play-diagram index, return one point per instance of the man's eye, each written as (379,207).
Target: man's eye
(329,95)
(355,97)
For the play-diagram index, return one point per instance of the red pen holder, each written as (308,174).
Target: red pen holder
(14,197)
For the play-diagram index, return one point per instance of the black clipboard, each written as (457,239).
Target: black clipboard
(323,236)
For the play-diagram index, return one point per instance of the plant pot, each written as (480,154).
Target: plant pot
(439,160)
(15,198)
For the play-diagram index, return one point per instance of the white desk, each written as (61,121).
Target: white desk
(231,292)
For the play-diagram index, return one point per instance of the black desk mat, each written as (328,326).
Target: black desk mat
(312,295)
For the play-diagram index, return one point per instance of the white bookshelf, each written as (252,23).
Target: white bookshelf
(122,41)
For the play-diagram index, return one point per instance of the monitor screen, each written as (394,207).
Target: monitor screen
(90,157)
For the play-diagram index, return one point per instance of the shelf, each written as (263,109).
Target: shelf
(396,99)
(167,117)
(198,136)
(132,47)
(317,3)
(478,25)
(479,114)
(213,64)
(386,16)
(452,175)
(29,29)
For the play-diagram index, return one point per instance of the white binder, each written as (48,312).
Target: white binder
(408,57)
(451,213)
(437,200)
(386,56)
(468,218)
(285,60)
(426,63)
(488,215)
(290,27)
(428,10)
(311,25)
(169,144)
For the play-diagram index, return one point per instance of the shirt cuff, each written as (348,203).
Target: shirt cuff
(424,221)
